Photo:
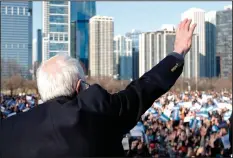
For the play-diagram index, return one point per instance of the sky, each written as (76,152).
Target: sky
(143,16)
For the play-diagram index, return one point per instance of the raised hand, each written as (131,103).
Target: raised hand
(184,35)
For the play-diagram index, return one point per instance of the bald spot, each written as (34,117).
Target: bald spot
(53,65)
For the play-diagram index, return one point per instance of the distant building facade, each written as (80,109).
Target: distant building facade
(224,40)
(101,46)
(123,57)
(198,16)
(210,28)
(155,46)
(39,46)
(81,12)
(55,28)
(134,36)
(16,38)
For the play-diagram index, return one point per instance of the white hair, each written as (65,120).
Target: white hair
(60,78)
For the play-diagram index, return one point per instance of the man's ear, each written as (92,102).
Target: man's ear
(78,86)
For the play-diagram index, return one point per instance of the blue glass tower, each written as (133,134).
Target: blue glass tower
(81,12)
(39,45)
(16,38)
(134,36)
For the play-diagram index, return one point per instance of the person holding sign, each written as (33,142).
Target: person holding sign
(79,120)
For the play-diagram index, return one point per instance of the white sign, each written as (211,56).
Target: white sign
(125,143)
(28,98)
(187,119)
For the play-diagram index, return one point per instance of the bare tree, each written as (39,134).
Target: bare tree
(13,83)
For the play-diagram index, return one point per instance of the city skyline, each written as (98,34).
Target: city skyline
(66,29)
(125,21)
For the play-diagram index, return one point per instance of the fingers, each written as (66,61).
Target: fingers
(183,23)
(191,30)
(187,25)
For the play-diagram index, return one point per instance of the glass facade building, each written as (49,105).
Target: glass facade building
(224,41)
(123,60)
(210,28)
(134,36)
(81,12)
(39,46)
(55,28)
(16,38)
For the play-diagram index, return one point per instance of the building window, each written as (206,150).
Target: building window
(58,10)
(3,10)
(20,10)
(58,2)
(66,37)
(14,45)
(9,10)
(58,46)
(51,54)
(15,11)
(61,38)
(51,37)
(20,45)
(58,28)
(58,19)
(8,45)
(56,37)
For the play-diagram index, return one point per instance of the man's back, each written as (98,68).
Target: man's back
(63,127)
(89,124)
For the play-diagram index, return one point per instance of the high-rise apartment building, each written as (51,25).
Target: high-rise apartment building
(210,28)
(81,12)
(16,38)
(155,46)
(55,28)
(101,46)
(224,40)
(198,16)
(134,36)
(123,57)
(192,66)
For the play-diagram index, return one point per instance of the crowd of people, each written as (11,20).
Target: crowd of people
(12,105)
(190,124)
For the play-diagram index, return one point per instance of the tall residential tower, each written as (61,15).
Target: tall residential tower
(101,46)
(198,16)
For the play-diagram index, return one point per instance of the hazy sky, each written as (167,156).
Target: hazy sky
(138,15)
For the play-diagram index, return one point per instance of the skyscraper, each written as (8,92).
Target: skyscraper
(39,46)
(123,57)
(101,46)
(224,40)
(210,26)
(55,28)
(16,38)
(134,36)
(192,65)
(198,16)
(81,12)
(153,47)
